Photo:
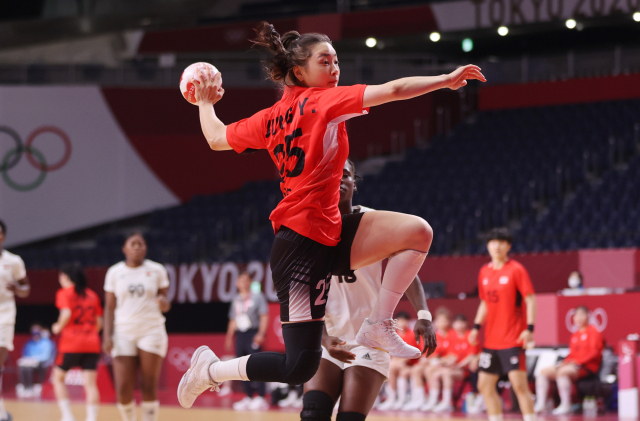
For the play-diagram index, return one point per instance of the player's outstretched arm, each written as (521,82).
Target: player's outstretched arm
(411,87)
(208,91)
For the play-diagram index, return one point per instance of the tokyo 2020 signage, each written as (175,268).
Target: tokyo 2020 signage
(33,155)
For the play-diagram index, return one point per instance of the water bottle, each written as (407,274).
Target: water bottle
(589,407)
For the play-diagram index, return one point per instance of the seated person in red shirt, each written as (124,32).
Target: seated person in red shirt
(425,367)
(397,384)
(585,356)
(461,358)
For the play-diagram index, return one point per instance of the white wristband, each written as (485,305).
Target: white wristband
(424,315)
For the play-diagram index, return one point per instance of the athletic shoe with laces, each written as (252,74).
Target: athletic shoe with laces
(383,336)
(242,404)
(197,378)
(443,407)
(562,410)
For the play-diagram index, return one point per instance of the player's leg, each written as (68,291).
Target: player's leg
(565,376)
(360,390)
(391,388)
(301,270)
(520,386)
(92,395)
(431,369)
(60,391)
(124,373)
(449,375)
(417,387)
(545,376)
(322,392)
(407,239)
(150,365)
(487,386)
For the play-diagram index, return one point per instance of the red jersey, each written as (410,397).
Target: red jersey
(80,335)
(585,348)
(409,337)
(443,343)
(503,291)
(306,137)
(460,346)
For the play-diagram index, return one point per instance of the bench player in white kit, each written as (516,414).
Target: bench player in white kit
(13,282)
(348,370)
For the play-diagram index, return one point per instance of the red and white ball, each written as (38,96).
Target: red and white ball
(190,73)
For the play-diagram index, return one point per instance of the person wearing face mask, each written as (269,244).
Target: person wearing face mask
(37,356)
(575,280)
(585,356)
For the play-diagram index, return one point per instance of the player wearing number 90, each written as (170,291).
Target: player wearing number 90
(79,324)
(134,330)
(306,137)
(508,306)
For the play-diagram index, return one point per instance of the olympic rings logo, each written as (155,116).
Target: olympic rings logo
(597,318)
(34,156)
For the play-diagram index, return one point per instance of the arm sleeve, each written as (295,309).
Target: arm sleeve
(19,271)
(248,133)
(523,282)
(263,307)
(61,300)
(163,278)
(340,101)
(109,282)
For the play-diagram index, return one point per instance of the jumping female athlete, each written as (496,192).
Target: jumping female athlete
(349,371)
(306,137)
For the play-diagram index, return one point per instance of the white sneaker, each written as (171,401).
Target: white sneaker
(197,379)
(37,390)
(386,405)
(428,406)
(289,400)
(562,410)
(397,406)
(20,390)
(258,404)
(478,405)
(243,404)
(225,390)
(383,336)
(539,407)
(443,407)
(412,405)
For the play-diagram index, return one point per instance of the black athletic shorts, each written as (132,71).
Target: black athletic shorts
(502,361)
(86,361)
(302,269)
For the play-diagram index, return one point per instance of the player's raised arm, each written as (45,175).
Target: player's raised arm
(411,87)
(208,91)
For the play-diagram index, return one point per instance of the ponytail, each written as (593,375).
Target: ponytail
(77,276)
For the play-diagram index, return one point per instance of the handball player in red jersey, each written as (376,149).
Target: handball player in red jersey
(508,306)
(305,135)
(78,324)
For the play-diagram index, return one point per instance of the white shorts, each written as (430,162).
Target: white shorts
(126,344)
(365,357)
(6,336)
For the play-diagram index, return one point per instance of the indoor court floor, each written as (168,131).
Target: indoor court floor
(48,411)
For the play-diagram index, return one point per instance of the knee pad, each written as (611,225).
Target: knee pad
(304,367)
(316,406)
(350,416)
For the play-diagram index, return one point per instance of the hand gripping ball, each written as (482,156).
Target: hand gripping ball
(190,73)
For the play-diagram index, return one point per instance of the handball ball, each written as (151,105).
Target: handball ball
(186,87)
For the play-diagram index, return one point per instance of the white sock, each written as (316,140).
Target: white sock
(417,392)
(434,392)
(235,369)
(400,272)
(542,390)
(564,390)
(495,417)
(391,394)
(446,396)
(65,408)
(529,417)
(403,386)
(127,411)
(150,410)
(92,413)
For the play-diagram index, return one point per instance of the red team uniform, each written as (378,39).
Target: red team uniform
(503,292)
(306,137)
(585,350)
(460,346)
(79,343)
